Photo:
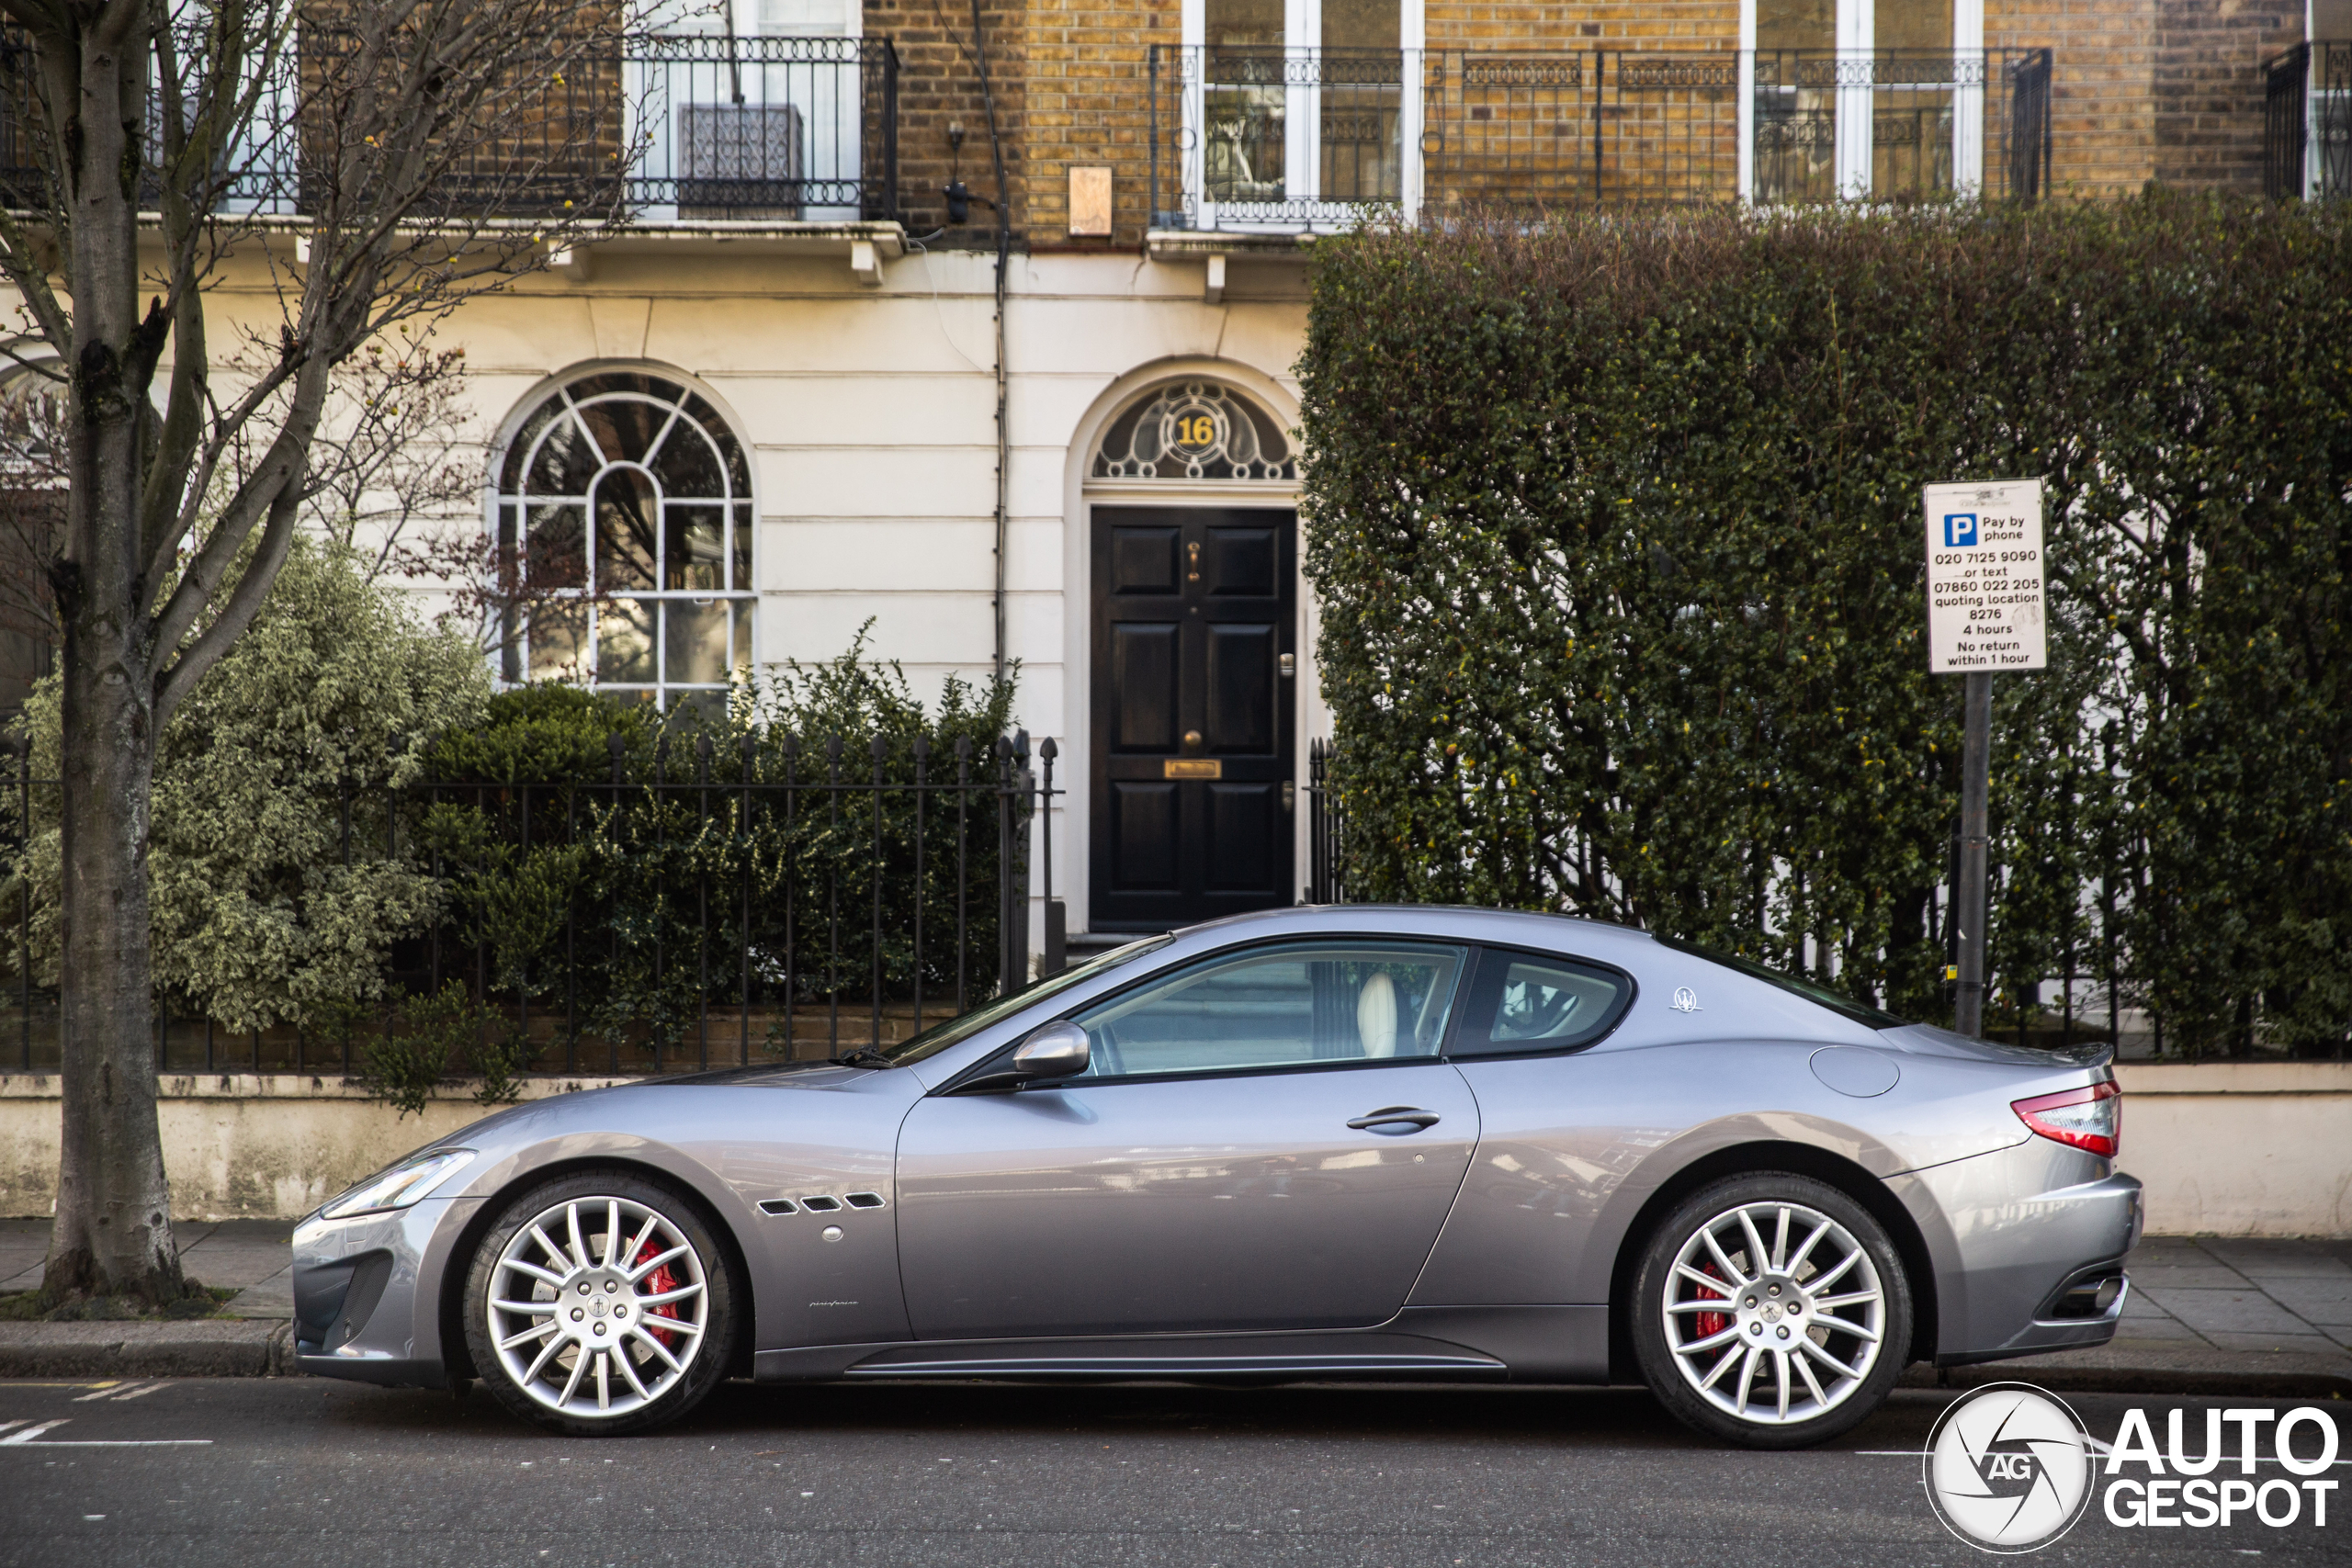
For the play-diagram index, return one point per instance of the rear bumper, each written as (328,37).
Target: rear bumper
(2023,1239)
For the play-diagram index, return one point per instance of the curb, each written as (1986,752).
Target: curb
(204,1348)
(2319,1381)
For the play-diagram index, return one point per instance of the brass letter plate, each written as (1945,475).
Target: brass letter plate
(1175,768)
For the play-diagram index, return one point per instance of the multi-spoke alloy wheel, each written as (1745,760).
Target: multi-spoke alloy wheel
(1776,1311)
(597,1303)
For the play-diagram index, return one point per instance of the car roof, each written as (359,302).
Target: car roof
(1524,928)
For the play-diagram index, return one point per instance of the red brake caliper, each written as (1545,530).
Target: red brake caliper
(1706,1324)
(660,1282)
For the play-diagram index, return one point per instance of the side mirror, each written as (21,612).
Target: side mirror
(1057,1050)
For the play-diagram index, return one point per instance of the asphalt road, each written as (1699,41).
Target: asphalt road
(227,1473)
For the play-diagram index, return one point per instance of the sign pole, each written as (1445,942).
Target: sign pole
(1987,612)
(1968,904)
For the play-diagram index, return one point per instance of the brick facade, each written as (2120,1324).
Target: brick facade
(2208,87)
(2167,90)
(939,85)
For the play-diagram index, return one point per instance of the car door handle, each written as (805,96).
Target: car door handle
(1396,1119)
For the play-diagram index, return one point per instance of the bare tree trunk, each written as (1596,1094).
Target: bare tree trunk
(113,1232)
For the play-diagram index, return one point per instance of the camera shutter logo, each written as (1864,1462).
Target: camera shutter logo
(2008,1468)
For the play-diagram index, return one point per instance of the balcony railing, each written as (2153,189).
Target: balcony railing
(1290,140)
(665,126)
(2306,123)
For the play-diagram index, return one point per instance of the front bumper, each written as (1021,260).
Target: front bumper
(2023,1239)
(364,1297)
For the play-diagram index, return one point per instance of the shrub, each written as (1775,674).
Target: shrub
(664,892)
(266,908)
(1616,526)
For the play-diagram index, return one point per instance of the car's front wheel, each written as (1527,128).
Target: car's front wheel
(599,1304)
(1770,1310)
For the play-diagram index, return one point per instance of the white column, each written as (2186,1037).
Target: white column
(1967,97)
(1411,36)
(1303,99)
(1856,30)
(1191,65)
(1746,171)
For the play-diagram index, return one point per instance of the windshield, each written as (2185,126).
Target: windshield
(940,1036)
(1837,1002)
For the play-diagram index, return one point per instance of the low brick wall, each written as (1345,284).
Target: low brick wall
(242,1145)
(2225,1148)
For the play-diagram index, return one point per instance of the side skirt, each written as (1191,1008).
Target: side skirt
(1537,1343)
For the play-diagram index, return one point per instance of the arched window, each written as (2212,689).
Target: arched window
(625,506)
(1194,429)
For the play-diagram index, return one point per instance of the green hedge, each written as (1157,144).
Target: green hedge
(1616,526)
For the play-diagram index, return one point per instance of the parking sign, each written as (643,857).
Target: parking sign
(1986,602)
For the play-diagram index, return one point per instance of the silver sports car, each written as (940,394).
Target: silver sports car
(1342,1143)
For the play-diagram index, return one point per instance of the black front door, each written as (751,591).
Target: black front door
(1194,671)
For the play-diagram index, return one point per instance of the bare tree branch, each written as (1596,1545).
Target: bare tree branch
(242,605)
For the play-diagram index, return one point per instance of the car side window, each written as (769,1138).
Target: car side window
(1289,1005)
(1527,1002)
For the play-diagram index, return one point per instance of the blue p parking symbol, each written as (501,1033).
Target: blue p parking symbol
(1960,530)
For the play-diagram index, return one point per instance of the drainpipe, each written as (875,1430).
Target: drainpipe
(1003,257)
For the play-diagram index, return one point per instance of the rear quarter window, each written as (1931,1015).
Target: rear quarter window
(1523,1003)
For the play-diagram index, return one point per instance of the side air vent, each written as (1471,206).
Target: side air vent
(820,1205)
(779,1206)
(866,1200)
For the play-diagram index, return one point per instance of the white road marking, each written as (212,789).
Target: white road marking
(30,1438)
(142,1393)
(14,1439)
(18,1422)
(98,1391)
(126,1443)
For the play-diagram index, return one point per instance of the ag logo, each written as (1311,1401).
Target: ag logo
(1684,999)
(2008,1468)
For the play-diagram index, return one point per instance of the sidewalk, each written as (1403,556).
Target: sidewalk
(253,1339)
(2205,1317)
(2209,1315)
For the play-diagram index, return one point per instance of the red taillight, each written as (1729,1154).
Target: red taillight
(2089,1119)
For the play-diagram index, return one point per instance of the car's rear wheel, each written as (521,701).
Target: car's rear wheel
(1770,1310)
(600,1304)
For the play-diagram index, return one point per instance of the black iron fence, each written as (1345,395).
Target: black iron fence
(1327,881)
(2094,968)
(720,906)
(2307,122)
(662,126)
(1270,137)
(791,129)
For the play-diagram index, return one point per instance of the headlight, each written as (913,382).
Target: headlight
(398,1188)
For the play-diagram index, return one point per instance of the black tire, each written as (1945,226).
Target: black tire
(1725,1372)
(628,1314)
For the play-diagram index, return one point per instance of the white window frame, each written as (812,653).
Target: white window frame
(1302,122)
(1856,43)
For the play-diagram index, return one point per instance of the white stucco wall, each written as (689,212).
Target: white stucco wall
(870,416)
